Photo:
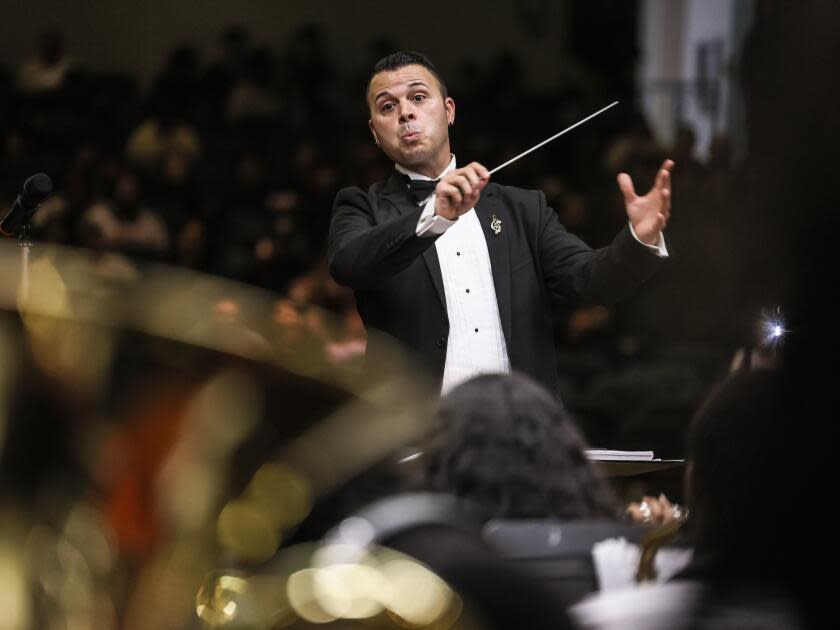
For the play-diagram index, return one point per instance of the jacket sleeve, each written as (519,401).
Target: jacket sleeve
(573,270)
(364,252)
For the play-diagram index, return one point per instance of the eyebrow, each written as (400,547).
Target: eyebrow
(387,93)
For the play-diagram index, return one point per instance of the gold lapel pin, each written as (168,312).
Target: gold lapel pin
(496,225)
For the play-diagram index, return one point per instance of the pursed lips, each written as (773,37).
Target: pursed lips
(410,135)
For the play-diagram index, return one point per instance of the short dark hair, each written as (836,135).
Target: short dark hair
(403,58)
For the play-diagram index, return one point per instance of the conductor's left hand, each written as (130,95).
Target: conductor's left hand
(648,214)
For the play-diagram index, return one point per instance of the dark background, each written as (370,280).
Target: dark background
(172,138)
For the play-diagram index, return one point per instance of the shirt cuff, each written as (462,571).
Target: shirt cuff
(431,224)
(659,249)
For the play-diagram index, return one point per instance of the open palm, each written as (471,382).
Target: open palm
(649,213)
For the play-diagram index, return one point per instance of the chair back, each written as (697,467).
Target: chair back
(558,552)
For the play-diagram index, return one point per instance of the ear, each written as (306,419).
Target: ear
(449,106)
(373,133)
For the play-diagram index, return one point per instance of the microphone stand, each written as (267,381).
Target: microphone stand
(25,244)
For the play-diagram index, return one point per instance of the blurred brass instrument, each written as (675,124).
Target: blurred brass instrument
(158,425)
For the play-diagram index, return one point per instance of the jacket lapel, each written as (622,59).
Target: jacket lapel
(488,209)
(431,258)
(396,194)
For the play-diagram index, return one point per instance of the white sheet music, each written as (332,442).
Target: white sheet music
(602,454)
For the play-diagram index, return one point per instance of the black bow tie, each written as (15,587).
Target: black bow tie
(420,189)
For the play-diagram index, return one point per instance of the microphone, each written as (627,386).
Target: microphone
(35,190)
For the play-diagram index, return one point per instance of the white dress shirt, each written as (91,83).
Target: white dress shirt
(476,342)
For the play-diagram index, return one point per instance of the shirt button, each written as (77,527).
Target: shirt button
(476,330)
(441,342)
(457,253)
(468,290)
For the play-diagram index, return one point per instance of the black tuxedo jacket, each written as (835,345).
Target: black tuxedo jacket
(536,265)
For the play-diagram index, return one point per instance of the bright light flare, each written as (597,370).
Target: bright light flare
(772,329)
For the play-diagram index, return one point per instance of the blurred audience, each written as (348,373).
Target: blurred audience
(158,136)
(47,69)
(229,166)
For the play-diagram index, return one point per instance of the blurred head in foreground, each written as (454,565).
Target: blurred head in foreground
(740,478)
(511,447)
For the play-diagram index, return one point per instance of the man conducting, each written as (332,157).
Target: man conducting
(461,271)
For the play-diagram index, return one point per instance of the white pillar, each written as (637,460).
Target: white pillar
(688,47)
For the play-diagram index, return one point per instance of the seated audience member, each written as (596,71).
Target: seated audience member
(511,447)
(501,442)
(158,136)
(47,69)
(745,559)
(507,448)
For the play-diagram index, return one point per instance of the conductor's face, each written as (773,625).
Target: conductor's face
(409,118)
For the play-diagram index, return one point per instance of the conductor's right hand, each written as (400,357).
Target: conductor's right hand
(458,191)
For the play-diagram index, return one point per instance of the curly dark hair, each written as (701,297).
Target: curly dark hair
(509,446)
